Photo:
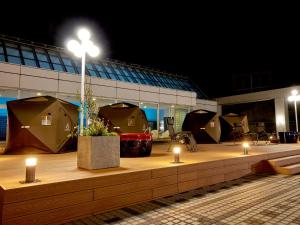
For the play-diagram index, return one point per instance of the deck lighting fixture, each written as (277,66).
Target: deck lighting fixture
(176,151)
(294,98)
(30,164)
(245,147)
(80,50)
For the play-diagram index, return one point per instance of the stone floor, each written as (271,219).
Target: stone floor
(255,200)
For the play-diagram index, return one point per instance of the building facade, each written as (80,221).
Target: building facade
(283,110)
(30,69)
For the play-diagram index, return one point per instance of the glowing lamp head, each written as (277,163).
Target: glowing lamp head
(74,47)
(246,145)
(176,150)
(294,92)
(31,162)
(83,34)
(91,49)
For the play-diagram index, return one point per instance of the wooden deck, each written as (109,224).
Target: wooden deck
(66,192)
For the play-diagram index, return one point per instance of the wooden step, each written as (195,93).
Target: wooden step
(280,162)
(289,170)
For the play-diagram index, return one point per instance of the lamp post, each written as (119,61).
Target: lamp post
(245,147)
(294,98)
(80,50)
(176,151)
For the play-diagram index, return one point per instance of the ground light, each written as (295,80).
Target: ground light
(176,151)
(245,147)
(30,164)
(86,46)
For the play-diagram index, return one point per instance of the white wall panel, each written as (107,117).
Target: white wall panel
(104,91)
(9,80)
(10,68)
(37,83)
(39,72)
(149,88)
(170,99)
(127,85)
(167,91)
(127,94)
(69,87)
(184,100)
(69,77)
(104,82)
(149,96)
(184,93)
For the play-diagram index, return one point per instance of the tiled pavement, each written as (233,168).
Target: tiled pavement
(255,200)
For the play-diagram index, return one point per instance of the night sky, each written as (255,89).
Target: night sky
(206,43)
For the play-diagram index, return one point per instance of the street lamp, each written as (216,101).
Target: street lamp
(294,98)
(80,49)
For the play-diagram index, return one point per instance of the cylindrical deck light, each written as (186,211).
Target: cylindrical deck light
(176,151)
(245,146)
(30,170)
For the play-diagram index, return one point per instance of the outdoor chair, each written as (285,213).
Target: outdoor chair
(183,137)
(261,134)
(237,133)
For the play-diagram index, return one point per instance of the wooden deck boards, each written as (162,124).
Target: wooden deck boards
(66,192)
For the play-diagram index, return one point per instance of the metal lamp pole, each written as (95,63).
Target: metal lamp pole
(80,50)
(82,92)
(295,97)
(296,116)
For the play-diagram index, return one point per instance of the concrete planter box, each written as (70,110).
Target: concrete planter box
(98,152)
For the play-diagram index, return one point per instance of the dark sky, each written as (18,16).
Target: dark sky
(208,43)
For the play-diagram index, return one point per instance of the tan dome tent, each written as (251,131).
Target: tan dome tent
(204,125)
(132,125)
(41,122)
(124,117)
(233,125)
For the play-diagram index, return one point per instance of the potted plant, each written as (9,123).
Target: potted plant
(97,148)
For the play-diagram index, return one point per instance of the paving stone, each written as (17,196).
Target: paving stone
(253,200)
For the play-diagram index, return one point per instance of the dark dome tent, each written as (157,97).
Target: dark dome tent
(41,122)
(233,125)
(204,125)
(132,125)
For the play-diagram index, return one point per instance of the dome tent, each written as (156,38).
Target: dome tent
(41,122)
(132,125)
(204,125)
(124,117)
(233,125)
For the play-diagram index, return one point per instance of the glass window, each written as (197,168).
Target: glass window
(12,50)
(1,49)
(57,65)
(15,60)
(28,57)
(2,58)
(113,77)
(27,54)
(91,70)
(45,65)
(13,54)
(99,68)
(30,62)
(108,69)
(103,75)
(43,59)
(69,65)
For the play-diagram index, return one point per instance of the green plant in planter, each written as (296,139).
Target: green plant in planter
(98,128)
(95,126)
